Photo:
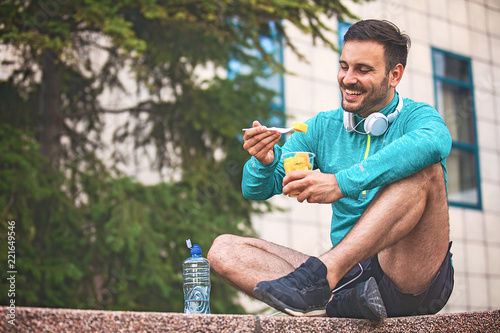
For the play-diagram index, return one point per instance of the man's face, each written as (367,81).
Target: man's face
(363,79)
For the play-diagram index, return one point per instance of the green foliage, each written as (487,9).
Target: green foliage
(123,248)
(47,223)
(87,237)
(136,245)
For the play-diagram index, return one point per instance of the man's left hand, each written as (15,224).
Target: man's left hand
(315,186)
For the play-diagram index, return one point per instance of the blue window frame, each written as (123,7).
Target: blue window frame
(272,45)
(342,29)
(454,97)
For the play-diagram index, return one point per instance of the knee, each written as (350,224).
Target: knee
(220,250)
(431,176)
(433,173)
(434,181)
(427,183)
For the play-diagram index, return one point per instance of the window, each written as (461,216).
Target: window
(272,45)
(454,90)
(342,29)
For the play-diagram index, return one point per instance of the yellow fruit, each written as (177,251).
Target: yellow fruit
(299,127)
(304,156)
(298,162)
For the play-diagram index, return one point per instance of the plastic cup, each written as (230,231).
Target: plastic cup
(297,160)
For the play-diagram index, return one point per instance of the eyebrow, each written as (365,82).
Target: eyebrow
(358,65)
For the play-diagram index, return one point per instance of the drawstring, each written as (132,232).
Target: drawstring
(366,155)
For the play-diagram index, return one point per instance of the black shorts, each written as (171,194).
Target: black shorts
(399,304)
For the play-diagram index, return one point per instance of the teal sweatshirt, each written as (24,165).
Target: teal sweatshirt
(362,164)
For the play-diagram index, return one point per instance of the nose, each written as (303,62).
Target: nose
(348,77)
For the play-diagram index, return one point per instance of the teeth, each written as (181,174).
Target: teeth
(353,92)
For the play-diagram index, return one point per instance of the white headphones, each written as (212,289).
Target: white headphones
(375,124)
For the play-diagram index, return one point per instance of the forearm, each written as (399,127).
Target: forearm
(403,157)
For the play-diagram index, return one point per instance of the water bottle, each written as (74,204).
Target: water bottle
(196,278)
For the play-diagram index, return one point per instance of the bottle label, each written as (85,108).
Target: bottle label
(196,300)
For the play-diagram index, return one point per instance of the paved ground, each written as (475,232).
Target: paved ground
(67,320)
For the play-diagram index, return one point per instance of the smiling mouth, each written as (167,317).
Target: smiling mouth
(352,94)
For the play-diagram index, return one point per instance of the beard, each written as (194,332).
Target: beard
(375,101)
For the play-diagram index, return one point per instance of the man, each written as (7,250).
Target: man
(381,165)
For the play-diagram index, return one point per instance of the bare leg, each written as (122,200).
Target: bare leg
(407,225)
(243,262)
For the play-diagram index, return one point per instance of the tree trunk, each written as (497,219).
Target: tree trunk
(50,108)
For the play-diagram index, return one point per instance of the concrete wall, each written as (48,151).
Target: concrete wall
(66,320)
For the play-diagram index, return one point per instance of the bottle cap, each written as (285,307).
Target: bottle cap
(196,249)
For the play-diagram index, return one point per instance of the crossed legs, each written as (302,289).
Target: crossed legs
(406,224)
(243,261)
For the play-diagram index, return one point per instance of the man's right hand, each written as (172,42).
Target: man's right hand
(259,142)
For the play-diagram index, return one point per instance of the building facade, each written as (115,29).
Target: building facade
(454,65)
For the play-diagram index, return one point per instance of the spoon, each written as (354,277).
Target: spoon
(277,129)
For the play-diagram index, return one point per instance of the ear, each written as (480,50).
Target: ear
(395,75)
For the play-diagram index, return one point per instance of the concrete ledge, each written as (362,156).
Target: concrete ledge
(67,320)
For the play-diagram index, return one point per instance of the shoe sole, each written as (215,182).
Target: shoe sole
(280,306)
(373,301)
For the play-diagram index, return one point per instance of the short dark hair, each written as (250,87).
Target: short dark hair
(396,44)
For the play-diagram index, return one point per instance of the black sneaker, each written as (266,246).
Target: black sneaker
(304,292)
(363,301)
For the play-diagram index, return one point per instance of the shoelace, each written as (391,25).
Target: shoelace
(301,278)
